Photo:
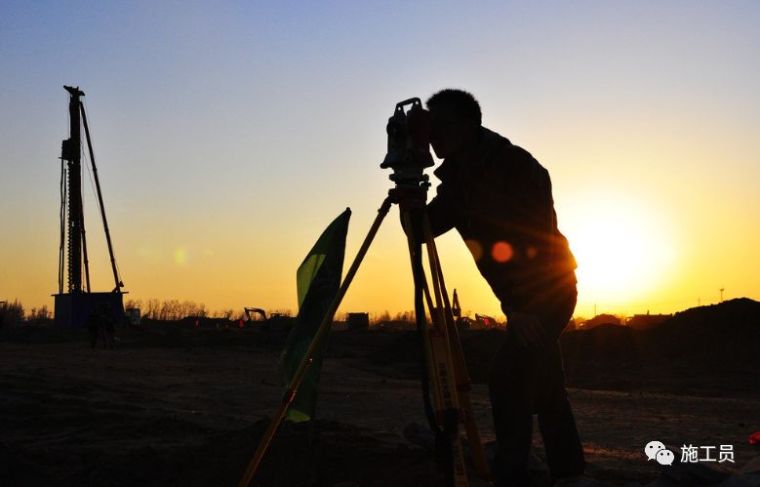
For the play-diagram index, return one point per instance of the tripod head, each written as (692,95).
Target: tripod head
(409,147)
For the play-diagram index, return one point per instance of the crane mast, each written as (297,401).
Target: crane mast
(71,151)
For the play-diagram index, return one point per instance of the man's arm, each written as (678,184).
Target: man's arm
(441,211)
(440,216)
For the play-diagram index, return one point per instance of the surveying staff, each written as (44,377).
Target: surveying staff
(499,199)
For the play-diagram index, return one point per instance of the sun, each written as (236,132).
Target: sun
(622,248)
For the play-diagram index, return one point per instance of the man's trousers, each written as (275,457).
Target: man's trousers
(530,380)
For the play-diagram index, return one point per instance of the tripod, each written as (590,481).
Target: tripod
(446,380)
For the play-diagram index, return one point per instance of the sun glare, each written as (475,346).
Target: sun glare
(623,250)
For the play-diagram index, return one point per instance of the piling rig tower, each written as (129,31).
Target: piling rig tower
(75,300)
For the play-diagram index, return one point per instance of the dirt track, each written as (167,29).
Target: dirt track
(173,412)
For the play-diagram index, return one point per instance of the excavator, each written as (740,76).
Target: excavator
(274,323)
(250,314)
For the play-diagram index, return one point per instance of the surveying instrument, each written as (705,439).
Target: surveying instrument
(445,381)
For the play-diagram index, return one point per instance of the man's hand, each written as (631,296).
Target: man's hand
(527,329)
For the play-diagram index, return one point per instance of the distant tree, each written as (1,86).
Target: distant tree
(404,316)
(11,313)
(153,307)
(40,314)
(170,309)
(384,316)
(166,310)
(227,314)
(200,310)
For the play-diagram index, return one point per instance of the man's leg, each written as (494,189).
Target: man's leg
(513,421)
(564,452)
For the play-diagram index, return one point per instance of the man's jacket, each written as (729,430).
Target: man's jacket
(499,198)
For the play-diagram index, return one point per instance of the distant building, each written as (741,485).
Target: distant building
(358,321)
(641,322)
(603,319)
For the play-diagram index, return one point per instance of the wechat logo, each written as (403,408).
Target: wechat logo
(655,450)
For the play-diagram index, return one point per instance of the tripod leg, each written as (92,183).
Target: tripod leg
(421,293)
(306,362)
(440,365)
(420,280)
(462,378)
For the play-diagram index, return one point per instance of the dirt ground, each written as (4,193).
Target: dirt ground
(187,408)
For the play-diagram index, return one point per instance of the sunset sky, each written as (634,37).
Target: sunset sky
(229,134)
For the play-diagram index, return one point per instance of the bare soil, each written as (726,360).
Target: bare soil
(177,406)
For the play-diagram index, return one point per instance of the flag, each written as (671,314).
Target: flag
(317,279)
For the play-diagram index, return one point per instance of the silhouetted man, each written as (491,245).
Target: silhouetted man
(499,199)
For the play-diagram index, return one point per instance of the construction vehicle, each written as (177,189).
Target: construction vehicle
(75,301)
(250,314)
(277,325)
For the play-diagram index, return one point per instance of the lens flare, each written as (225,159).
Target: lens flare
(502,252)
(180,256)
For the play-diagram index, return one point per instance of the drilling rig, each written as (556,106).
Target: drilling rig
(75,300)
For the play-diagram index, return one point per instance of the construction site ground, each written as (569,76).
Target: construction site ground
(173,406)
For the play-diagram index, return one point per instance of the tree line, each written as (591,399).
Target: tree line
(12,313)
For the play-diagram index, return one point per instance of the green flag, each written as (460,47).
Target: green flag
(318,280)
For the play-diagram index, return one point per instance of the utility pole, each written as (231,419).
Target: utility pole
(721,294)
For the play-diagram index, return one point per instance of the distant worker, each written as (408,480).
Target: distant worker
(499,198)
(100,325)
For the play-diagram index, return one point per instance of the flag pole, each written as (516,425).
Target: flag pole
(307,360)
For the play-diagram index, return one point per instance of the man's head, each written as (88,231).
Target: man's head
(455,118)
